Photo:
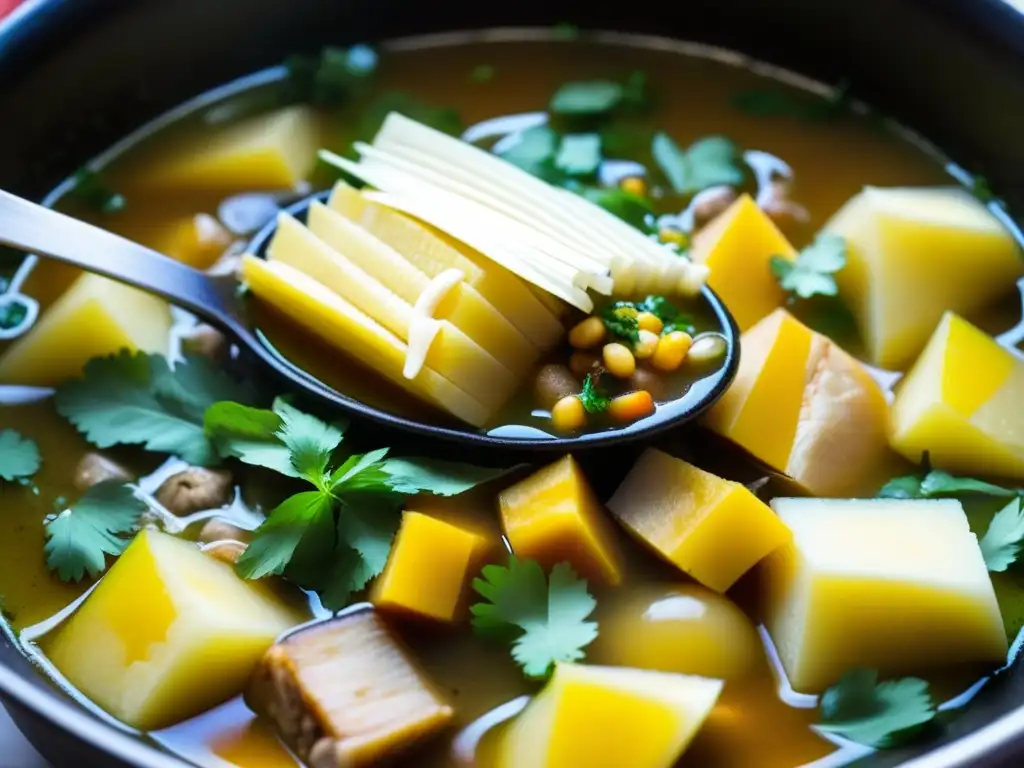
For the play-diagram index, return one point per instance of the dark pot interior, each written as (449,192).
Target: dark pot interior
(76,75)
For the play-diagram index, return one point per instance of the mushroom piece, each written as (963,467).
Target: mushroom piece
(217,529)
(207,341)
(96,468)
(195,489)
(226,551)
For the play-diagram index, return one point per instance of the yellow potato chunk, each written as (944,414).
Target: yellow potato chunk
(168,633)
(197,240)
(685,628)
(609,717)
(962,402)
(274,151)
(806,408)
(690,518)
(553,516)
(738,246)
(898,586)
(430,565)
(912,254)
(322,312)
(432,252)
(94,317)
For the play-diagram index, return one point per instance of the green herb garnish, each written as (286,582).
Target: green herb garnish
(336,536)
(591,97)
(137,399)
(90,189)
(333,78)
(938,484)
(444,119)
(813,272)
(591,398)
(708,162)
(633,209)
(1001,544)
(772,102)
(579,154)
(482,73)
(980,189)
(13,311)
(19,456)
(545,619)
(668,313)
(78,539)
(534,151)
(879,715)
(620,321)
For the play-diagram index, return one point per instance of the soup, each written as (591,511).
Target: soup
(799,579)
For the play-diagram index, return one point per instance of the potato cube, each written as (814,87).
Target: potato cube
(553,516)
(168,633)
(94,317)
(197,240)
(609,717)
(912,254)
(898,586)
(345,693)
(738,246)
(430,565)
(961,402)
(806,408)
(690,518)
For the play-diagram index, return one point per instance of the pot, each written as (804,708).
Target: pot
(77,75)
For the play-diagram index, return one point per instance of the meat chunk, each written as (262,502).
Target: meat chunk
(96,468)
(345,693)
(196,489)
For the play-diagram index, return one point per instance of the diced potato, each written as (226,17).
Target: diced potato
(690,518)
(167,634)
(609,717)
(912,254)
(737,247)
(274,151)
(95,317)
(345,693)
(898,586)
(806,408)
(430,565)
(683,628)
(553,516)
(962,402)
(322,312)
(432,252)
(451,352)
(197,240)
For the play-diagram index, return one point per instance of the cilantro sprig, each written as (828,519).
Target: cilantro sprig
(19,456)
(620,320)
(813,272)
(591,397)
(879,715)
(935,484)
(1001,544)
(334,537)
(708,162)
(544,618)
(333,77)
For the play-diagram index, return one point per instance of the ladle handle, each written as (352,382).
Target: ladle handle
(31,228)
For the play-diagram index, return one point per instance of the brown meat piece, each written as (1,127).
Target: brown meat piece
(345,693)
(196,489)
(96,468)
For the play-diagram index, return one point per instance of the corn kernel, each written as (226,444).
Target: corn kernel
(587,334)
(672,236)
(671,351)
(634,185)
(644,348)
(619,360)
(648,321)
(706,349)
(631,407)
(568,414)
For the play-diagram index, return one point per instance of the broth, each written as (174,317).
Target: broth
(758,720)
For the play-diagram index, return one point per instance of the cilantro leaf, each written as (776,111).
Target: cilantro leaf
(360,472)
(937,484)
(708,162)
(879,715)
(444,119)
(441,478)
(546,617)
(772,102)
(592,97)
(813,271)
(620,320)
(92,190)
(534,150)
(333,78)
(274,542)
(80,537)
(1001,543)
(19,456)
(579,154)
(907,487)
(249,435)
(309,440)
(137,399)
(14,311)
(593,401)
(632,209)
(367,526)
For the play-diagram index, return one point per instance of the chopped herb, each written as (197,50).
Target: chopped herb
(90,189)
(880,715)
(545,618)
(534,151)
(444,119)
(591,398)
(1001,544)
(482,73)
(19,456)
(591,97)
(333,78)
(660,307)
(579,154)
(636,91)
(565,31)
(336,537)
(13,311)
(631,208)
(78,539)
(980,189)
(773,102)
(813,272)
(708,162)
(129,399)
(620,321)
(937,484)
